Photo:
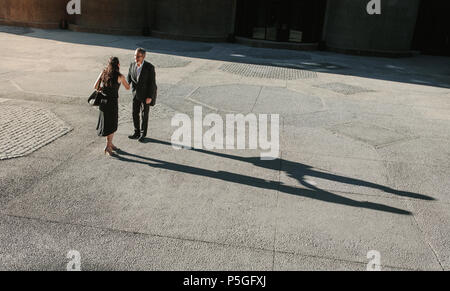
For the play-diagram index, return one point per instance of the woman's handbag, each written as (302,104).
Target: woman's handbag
(97,98)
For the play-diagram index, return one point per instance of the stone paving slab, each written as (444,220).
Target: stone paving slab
(372,134)
(281,101)
(18,175)
(324,228)
(293,262)
(321,141)
(320,119)
(432,220)
(343,88)
(431,151)
(411,126)
(38,245)
(233,98)
(377,109)
(429,180)
(413,98)
(75,84)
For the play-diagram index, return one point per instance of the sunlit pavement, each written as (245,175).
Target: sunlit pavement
(364,160)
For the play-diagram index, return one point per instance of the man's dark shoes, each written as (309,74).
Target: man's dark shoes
(134,136)
(142,139)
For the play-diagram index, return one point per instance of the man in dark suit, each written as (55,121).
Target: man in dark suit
(142,78)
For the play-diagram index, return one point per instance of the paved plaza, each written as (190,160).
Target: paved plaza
(364,160)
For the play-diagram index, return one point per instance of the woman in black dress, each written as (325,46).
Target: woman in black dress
(108,82)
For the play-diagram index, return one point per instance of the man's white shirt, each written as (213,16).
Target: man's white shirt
(138,70)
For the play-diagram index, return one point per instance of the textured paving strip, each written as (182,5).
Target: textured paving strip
(24,130)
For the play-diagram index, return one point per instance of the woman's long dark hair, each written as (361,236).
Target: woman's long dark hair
(111,72)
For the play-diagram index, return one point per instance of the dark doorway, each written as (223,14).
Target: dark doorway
(432,35)
(281,20)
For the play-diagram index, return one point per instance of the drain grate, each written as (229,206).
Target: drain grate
(269,72)
(344,88)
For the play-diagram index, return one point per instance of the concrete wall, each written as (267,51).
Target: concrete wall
(180,19)
(350,28)
(185,19)
(192,19)
(111,16)
(36,13)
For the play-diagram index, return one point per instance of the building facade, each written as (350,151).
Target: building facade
(340,25)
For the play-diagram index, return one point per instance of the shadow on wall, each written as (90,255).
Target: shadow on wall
(295,170)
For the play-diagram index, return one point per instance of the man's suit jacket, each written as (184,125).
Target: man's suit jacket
(145,87)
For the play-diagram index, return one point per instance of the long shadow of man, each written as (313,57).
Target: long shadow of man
(293,169)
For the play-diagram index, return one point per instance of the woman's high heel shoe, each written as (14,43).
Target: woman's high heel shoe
(114,148)
(108,151)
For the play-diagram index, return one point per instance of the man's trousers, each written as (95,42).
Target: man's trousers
(140,116)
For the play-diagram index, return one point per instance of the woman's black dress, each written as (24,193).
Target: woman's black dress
(109,113)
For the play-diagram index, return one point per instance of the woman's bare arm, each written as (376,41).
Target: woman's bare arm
(124,82)
(97,83)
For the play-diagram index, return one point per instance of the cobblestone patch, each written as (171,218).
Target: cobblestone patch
(24,130)
(269,72)
(344,88)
